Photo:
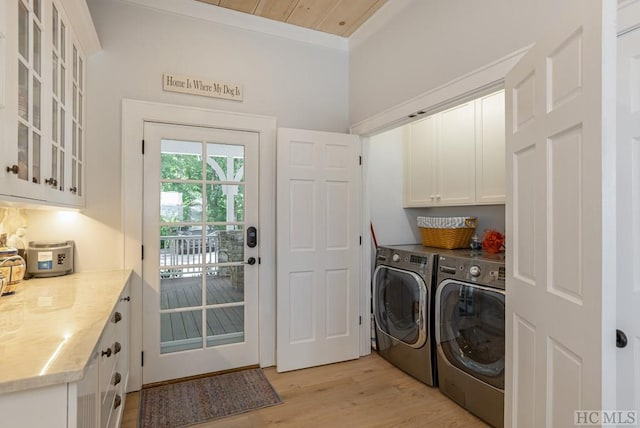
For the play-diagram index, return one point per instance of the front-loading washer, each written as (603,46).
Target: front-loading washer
(470,332)
(403,291)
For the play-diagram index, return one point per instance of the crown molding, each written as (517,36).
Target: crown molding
(232,18)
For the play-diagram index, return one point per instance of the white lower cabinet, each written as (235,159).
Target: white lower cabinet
(97,400)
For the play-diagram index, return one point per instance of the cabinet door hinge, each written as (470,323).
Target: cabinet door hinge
(142,146)
(142,252)
(359,160)
(360,239)
(142,358)
(360,319)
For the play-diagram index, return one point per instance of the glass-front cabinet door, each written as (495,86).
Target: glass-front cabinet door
(41,104)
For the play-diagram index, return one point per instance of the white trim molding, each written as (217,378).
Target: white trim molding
(485,78)
(246,21)
(78,13)
(134,114)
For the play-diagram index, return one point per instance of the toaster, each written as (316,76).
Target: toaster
(49,258)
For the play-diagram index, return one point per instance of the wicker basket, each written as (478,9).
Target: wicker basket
(449,237)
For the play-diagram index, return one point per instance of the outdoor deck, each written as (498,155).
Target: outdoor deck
(183,330)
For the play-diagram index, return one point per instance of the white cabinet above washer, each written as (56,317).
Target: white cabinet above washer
(456,157)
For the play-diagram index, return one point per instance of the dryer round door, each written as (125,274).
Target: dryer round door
(400,305)
(470,329)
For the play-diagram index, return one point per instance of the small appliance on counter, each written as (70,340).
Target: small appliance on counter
(49,258)
(12,267)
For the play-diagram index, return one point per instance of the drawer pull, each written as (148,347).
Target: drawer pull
(125,299)
(117,378)
(117,402)
(117,317)
(117,348)
(107,353)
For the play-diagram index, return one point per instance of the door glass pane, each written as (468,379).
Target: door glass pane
(23,30)
(36,103)
(225,162)
(189,245)
(55,27)
(37,36)
(54,162)
(180,331)
(55,74)
(181,201)
(36,158)
(75,63)
(62,172)
(74,140)
(74,167)
(225,284)
(23,91)
(80,189)
(23,152)
(472,331)
(63,41)
(62,127)
(37,9)
(181,160)
(54,121)
(180,288)
(225,325)
(74,102)
(225,202)
(62,84)
(81,72)
(80,143)
(79,108)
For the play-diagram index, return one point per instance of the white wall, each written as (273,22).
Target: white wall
(429,43)
(395,225)
(304,86)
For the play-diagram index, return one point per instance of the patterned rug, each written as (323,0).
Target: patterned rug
(205,399)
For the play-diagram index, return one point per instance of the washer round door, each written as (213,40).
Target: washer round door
(399,305)
(470,329)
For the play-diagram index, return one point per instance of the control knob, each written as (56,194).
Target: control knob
(396,257)
(474,271)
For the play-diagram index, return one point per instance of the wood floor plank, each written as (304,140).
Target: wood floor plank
(368,392)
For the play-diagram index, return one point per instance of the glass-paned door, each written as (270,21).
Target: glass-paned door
(200,276)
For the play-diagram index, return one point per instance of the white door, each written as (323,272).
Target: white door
(560,354)
(628,267)
(318,248)
(200,294)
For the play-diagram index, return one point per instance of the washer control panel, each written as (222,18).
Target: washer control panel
(471,269)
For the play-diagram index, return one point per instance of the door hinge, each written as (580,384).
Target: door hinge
(142,146)
(360,319)
(359,160)
(142,252)
(142,359)
(259,260)
(360,239)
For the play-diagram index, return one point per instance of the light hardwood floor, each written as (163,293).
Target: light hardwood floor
(368,392)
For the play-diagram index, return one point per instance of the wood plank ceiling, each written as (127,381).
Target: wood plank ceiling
(339,17)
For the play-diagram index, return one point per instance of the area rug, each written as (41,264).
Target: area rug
(200,400)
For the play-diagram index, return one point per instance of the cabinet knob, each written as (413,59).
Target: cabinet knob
(432,197)
(117,401)
(107,353)
(117,317)
(14,169)
(51,182)
(73,189)
(125,299)
(117,378)
(117,347)
(438,197)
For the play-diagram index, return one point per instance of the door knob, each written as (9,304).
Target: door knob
(251,261)
(621,339)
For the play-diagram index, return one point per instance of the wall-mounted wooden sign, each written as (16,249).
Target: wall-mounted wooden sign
(198,86)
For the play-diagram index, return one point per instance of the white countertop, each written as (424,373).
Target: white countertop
(50,326)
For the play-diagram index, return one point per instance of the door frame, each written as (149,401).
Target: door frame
(134,114)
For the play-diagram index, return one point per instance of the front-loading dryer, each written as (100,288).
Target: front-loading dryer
(470,332)
(403,290)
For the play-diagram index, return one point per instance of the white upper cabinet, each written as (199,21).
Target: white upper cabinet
(456,157)
(42,102)
(490,149)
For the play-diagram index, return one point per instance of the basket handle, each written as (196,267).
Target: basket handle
(471,222)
